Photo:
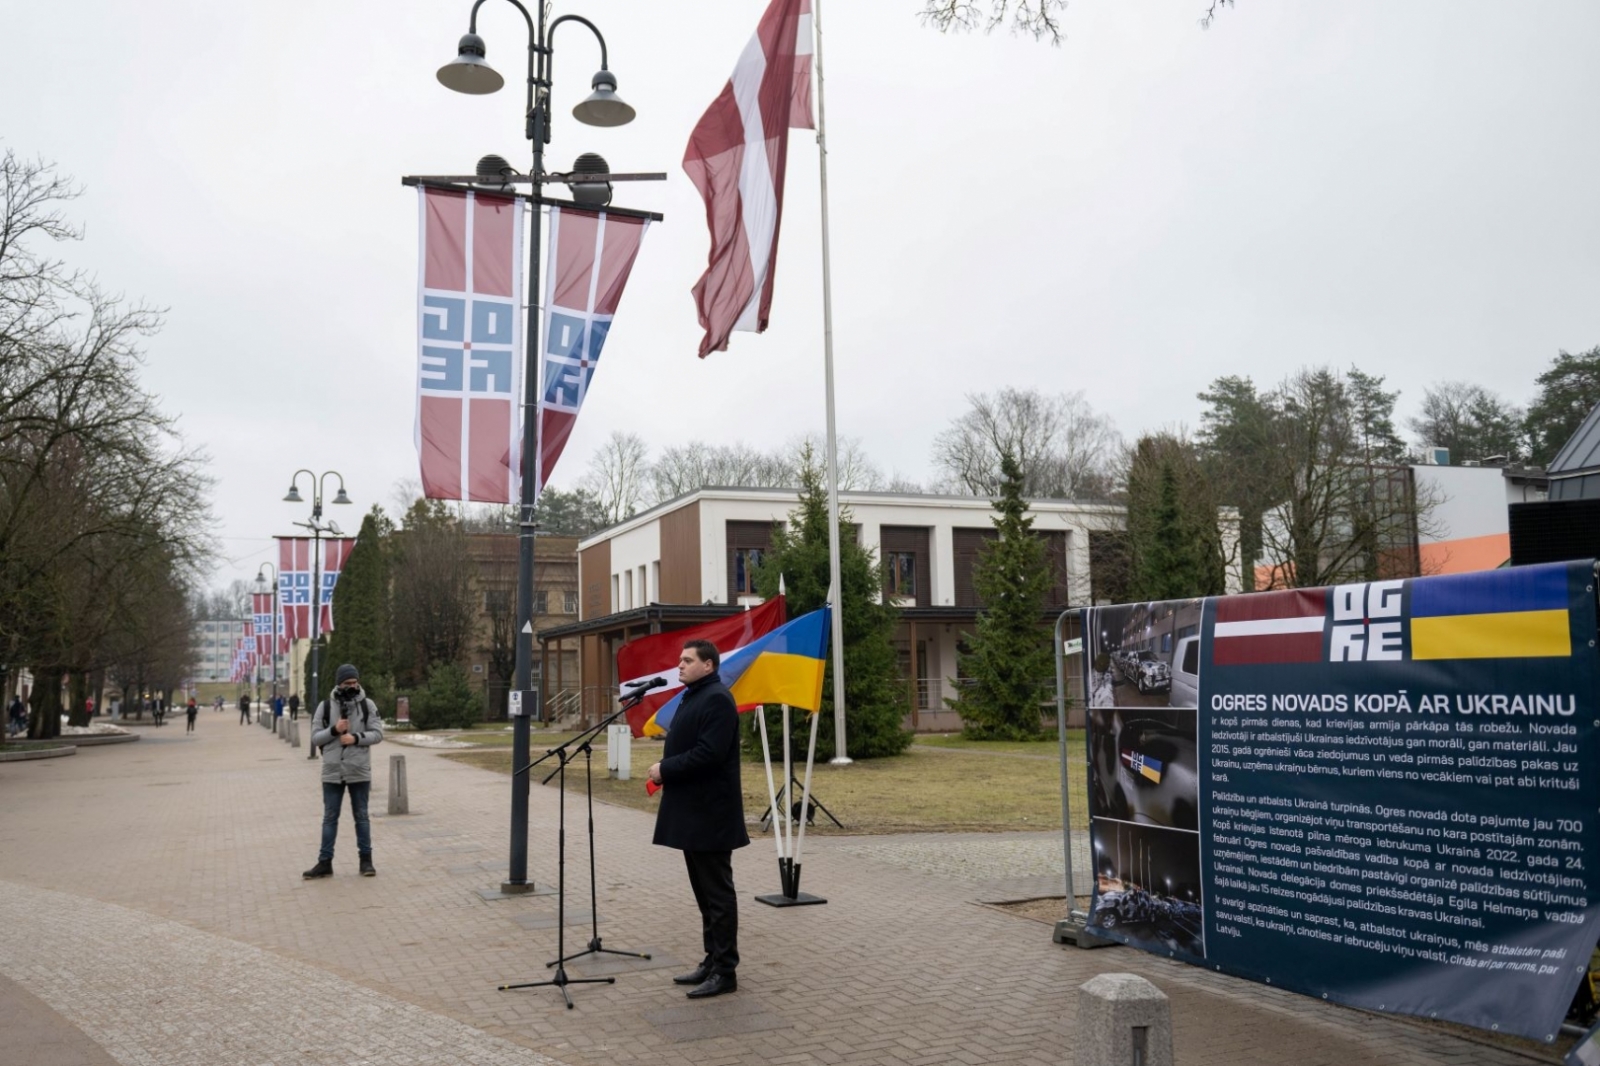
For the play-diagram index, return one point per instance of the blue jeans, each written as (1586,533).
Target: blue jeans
(332,800)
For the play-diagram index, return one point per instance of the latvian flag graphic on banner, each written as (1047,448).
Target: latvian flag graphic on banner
(591,254)
(469,347)
(261,608)
(294,583)
(1270,627)
(736,158)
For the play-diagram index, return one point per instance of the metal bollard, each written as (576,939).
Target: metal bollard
(1123,1020)
(399,802)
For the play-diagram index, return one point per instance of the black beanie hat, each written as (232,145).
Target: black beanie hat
(345,673)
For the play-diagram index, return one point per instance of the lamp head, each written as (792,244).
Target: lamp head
(341,497)
(592,193)
(294,495)
(604,107)
(469,72)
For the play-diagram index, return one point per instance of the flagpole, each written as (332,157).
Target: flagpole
(841,755)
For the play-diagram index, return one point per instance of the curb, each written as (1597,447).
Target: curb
(94,739)
(37,753)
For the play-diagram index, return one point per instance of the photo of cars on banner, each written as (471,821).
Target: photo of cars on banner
(1147,888)
(1146,655)
(1145,768)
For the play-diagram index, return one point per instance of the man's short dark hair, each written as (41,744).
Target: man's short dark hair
(705,651)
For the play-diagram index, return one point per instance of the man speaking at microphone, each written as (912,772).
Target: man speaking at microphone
(702,811)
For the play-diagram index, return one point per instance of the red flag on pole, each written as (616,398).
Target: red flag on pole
(736,158)
(657,655)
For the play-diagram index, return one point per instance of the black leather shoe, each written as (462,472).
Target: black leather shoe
(323,868)
(718,984)
(695,976)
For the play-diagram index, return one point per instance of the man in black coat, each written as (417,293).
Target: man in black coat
(702,810)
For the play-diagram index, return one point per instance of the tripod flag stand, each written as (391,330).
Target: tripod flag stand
(565,753)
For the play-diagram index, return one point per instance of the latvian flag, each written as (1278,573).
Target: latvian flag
(1269,627)
(737,157)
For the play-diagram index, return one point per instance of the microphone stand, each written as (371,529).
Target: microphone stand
(565,753)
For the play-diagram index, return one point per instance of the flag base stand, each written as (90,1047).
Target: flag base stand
(791,896)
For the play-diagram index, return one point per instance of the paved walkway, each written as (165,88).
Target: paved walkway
(153,913)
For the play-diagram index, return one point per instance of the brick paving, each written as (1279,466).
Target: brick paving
(173,866)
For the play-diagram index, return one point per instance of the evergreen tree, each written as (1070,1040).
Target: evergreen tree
(1008,658)
(1568,391)
(361,612)
(875,697)
(1174,545)
(447,701)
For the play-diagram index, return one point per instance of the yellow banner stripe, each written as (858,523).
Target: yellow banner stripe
(777,678)
(1507,635)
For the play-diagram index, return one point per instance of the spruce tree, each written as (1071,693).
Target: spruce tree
(361,615)
(1174,543)
(1008,657)
(875,698)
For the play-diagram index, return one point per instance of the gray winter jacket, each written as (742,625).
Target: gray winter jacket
(347,763)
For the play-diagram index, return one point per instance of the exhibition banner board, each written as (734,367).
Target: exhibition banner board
(1382,794)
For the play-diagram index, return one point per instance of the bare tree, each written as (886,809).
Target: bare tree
(1471,421)
(618,476)
(1039,19)
(1066,449)
(686,467)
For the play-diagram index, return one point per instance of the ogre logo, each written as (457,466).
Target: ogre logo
(1368,622)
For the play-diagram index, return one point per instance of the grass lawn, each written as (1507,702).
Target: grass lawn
(1048,745)
(929,791)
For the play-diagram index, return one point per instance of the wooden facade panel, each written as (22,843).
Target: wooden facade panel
(595,571)
(680,556)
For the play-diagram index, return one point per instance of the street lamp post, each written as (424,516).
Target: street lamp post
(471,73)
(317,528)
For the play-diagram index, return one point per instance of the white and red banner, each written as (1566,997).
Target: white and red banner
(295,576)
(469,344)
(737,158)
(657,655)
(591,254)
(261,610)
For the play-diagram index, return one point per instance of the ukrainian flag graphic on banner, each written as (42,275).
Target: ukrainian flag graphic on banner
(785,666)
(1518,613)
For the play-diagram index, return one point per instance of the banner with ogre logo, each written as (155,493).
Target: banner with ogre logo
(1381,794)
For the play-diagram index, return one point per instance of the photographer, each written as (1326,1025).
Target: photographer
(343,728)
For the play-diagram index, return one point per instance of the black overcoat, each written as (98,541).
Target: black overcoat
(702,803)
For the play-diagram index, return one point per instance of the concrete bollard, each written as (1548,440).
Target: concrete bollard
(399,802)
(619,752)
(283,730)
(294,734)
(1123,1020)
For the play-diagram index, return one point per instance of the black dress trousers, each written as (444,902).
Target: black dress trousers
(711,877)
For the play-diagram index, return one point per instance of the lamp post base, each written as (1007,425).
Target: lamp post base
(525,888)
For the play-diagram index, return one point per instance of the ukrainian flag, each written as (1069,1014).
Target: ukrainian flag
(1516,613)
(785,666)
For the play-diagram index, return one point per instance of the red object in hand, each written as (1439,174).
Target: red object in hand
(651,788)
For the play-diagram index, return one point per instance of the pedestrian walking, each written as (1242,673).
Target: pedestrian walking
(277,706)
(244,709)
(702,811)
(344,727)
(294,706)
(17,715)
(191,712)
(219,704)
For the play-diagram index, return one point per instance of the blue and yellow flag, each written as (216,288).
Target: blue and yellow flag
(785,666)
(1517,613)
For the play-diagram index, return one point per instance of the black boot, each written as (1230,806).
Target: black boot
(367,869)
(323,868)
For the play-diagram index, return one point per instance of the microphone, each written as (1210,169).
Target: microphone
(645,686)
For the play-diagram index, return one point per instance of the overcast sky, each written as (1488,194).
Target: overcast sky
(1410,187)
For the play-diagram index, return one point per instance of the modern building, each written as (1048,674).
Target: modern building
(214,641)
(693,558)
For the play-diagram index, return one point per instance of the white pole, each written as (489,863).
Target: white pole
(805,792)
(840,754)
(788,775)
(772,794)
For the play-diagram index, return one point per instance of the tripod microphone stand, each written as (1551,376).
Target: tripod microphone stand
(565,753)
(595,947)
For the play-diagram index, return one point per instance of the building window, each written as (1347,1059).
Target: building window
(644,587)
(569,602)
(616,592)
(496,601)
(541,602)
(745,563)
(902,573)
